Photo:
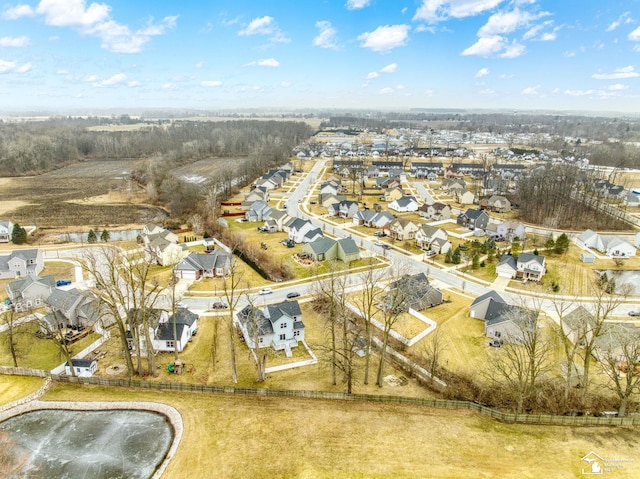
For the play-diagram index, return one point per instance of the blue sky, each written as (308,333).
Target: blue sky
(352,54)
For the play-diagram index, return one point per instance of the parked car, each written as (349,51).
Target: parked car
(495,343)
(219,305)
(430,252)
(63,282)
(266,291)
(380,234)
(293,294)
(634,313)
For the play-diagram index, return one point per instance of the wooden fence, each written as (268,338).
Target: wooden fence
(336,396)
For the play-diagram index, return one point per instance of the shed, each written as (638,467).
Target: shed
(84,368)
(587,258)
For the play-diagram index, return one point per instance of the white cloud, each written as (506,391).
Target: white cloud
(14,41)
(264,26)
(111,81)
(385,91)
(532,90)
(428,93)
(390,68)
(579,92)
(211,83)
(506,22)
(326,37)
(487,91)
(13,67)
(635,35)
(200,64)
(94,20)
(624,72)
(482,72)
(285,84)
(169,86)
(62,72)
(372,75)
(505,76)
(133,83)
(485,46)
(513,51)
(438,10)
(622,19)
(618,87)
(18,11)
(265,62)
(385,38)
(548,37)
(357,4)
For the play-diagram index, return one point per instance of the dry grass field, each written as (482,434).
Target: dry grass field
(240,437)
(16,387)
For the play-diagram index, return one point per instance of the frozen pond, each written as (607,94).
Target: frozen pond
(622,277)
(88,444)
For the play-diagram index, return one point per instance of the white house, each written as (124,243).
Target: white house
(160,325)
(427,234)
(278,326)
(21,263)
(611,245)
(6,228)
(204,265)
(303,231)
(83,368)
(404,204)
(526,266)
(508,230)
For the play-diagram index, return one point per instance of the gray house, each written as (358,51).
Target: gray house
(473,219)
(30,291)
(204,265)
(412,292)
(21,263)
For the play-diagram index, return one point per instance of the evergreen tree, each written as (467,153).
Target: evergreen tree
(550,244)
(18,234)
(91,237)
(562,244)
(475,262)
(448,257)
(456,257)
(105,236)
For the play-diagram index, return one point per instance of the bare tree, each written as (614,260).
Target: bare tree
(433,347)
(366,302)
(620,358)
(254,321)
(569,331)
(10,336)
(230,286)
(524,356)
(52,328)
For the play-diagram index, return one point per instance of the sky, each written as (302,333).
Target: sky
(64,55)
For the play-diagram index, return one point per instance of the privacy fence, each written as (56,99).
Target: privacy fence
(336,396)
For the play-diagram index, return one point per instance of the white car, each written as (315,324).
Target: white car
(266,291)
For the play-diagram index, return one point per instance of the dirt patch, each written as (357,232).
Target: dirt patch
(7,206)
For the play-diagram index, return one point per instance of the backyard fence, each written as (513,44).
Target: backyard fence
(337,396)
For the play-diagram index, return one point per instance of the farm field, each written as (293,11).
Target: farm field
(232,435)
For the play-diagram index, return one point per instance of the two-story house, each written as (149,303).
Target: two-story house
(404,204)
(427,235)
(6,229)
(525,266)
(473,219)
(402,229)
(278,326)
(21,263)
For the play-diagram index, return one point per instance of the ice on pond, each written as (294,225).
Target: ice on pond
(88,444)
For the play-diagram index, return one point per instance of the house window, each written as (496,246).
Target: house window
(283,325)
(38,301)
(498,334)
(296,333)
(170,344)
(283,337)
(261,340)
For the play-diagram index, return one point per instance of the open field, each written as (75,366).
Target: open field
(234,436)
(16,387)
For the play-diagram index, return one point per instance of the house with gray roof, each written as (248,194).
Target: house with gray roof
(525,266)
(412,292)
(343,209)
(404,204)
(473,219)
(613,246)
(303,231)
(30,291)
(258,211)
(160,323)
(325,249)
(502,321)
(76,309)
(278,326)
(21,263)
(373,219)
(204,265)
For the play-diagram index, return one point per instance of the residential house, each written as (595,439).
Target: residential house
(452,173)
(331,187)
(412,292)
(387,183)
(160,324)
(373,172)
(464,197)
(204,265)
(611,245)
(6,229)
(502,321)
(393,194)
(373,219)
(498,204)
(473,219)
(256,194)
(327,199)
(278,326)
(404,204)
(303,231)
(21,263)
(326,249)
(402,229)
(258,211)
(344,209)
(164,252)
(76,309)
(436,211)
(427,234)
(613,343)
(30,291)
(152,230)
(631,199)
(507,230)
(525,266)
(276,220)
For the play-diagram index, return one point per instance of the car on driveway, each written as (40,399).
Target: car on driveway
(634,313)
(265,291)
(219,305)
(293,294)
(63,282)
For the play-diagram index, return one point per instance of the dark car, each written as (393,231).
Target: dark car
(219,305)
(63,282)
(380,234)
(293,294)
